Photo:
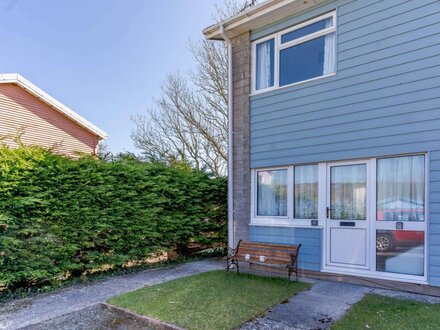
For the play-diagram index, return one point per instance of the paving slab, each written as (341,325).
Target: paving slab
(31,311)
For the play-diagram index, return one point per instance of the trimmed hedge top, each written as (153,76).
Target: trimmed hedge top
(61,217)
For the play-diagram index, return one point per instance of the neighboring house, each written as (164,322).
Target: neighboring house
(335,134)
(36,118)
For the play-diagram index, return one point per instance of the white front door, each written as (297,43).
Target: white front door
(347,214)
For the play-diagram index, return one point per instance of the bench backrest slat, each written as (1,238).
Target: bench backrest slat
(273,253)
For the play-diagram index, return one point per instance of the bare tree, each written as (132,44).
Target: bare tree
(189,122)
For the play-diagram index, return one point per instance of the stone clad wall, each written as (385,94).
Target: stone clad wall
(241,59)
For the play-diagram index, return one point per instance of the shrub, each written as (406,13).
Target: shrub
(61,217)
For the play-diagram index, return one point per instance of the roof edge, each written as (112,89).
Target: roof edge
(257,17)
(15,78)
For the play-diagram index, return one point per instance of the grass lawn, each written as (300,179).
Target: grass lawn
(377,312)
(213,300)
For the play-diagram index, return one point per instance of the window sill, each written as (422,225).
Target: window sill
(285,223)
(277,88)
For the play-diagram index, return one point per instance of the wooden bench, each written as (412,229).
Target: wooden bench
(267,255)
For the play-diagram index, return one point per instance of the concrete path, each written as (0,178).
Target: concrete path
(30,311)
(319,307)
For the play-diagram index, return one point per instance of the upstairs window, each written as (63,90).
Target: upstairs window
(303,52)
(265,63)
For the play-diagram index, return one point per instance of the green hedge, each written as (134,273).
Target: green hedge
(61,217)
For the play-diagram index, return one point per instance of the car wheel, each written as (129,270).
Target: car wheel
(384,243)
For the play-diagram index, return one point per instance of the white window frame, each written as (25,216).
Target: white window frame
(268,220)
(289,220)
(278,46)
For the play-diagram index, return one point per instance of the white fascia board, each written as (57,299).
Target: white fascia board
(257,17)
(15,78)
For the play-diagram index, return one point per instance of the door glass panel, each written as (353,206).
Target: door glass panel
(400,251)
(401,189)
(348,192)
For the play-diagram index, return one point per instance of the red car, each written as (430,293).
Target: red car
(388,240)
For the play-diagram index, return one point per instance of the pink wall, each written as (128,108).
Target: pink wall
(42,125)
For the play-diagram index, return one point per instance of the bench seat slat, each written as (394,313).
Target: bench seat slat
(269,260)
(265,253)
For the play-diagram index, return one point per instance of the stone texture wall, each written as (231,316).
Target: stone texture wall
(241,59)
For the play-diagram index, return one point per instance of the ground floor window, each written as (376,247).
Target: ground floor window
(401,188)
(400,200)
(306,192)
(272,193)
(372,211)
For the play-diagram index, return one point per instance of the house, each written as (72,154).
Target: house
(335,135)
(36,118)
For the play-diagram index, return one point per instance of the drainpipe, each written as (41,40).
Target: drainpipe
(231,240)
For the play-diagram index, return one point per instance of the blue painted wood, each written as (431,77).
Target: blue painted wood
(384,100)
(311,239)
(351,41)
(389,13)
(435,249)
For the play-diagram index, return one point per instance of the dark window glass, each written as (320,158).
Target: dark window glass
(302,62)
(306,30)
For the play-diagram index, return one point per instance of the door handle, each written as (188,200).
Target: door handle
(328,212)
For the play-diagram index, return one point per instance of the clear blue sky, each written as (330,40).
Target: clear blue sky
(105,59)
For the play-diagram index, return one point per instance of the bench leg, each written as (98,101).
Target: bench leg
(231,262)
(290,271)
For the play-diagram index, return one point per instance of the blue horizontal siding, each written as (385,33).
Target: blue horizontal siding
(384,100)
(310,255)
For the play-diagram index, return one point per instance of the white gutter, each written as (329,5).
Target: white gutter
(231,240)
